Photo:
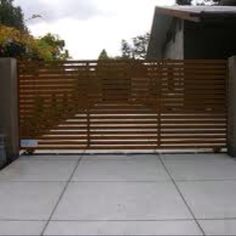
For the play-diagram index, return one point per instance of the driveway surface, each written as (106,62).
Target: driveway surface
(145,194)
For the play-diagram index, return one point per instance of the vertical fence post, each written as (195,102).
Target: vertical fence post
(88,84)
(88,127)
(9,106)
(159,104)
(231,92)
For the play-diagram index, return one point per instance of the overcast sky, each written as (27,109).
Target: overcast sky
(88,26)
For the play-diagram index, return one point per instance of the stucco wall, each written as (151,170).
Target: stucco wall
(209,40)
(160,27)
(9,106)
(231,140)
(173,49)
(174,38)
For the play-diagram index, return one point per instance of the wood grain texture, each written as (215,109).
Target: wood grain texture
(123,104)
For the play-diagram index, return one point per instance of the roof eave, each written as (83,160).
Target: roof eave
(179,14)
(195,16)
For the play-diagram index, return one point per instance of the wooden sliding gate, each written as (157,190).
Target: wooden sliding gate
(123,104)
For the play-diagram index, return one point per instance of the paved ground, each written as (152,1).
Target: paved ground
(119,195)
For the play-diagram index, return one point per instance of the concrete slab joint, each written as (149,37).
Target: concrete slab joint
(167,194)
(9,106)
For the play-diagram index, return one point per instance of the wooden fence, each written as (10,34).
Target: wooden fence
(123,104)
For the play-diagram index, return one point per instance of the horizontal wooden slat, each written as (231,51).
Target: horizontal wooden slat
(105,132)
(93,127)
(123,138)
(124,104)
(203,140)
(92,137)
(129,147)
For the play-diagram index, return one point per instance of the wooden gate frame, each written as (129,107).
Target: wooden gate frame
(123,104)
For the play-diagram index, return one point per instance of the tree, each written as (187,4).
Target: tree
(140,44)
(11,16)
(138,48)
(126,50)
(16,41)
(195,2)
(207,2)
(57,46)
(21,45)
(183,2)
(103,55)
(228,2)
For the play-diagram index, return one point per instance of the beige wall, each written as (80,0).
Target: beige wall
(9,106)
(174,49)
(232,107)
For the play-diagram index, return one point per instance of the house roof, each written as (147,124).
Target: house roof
(164,16)
(198,13)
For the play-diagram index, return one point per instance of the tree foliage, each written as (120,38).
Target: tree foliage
(207,2)
(183,2)
(126,50)
(228,2)
(103,55)
(21,45)
(196,2)
(16,41)
(57,46)
(11,16)
(137,49)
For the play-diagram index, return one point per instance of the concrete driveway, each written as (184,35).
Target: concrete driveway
(119,195)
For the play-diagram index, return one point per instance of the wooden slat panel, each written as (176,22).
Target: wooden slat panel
(124,104)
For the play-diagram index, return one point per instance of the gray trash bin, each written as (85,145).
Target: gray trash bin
(3,158)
